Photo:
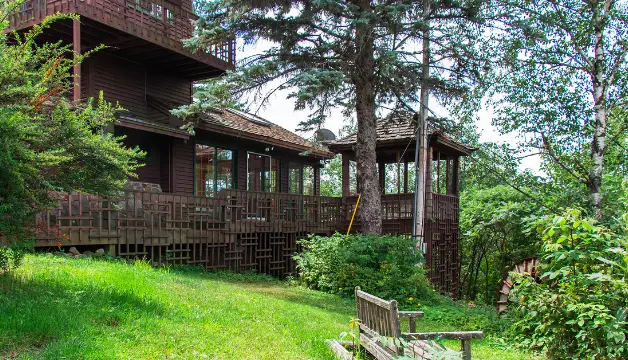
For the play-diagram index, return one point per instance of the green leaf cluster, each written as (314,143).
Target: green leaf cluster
(495,234)
(578,308)
(49,145)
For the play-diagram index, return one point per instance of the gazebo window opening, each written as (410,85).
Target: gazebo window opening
(443,173)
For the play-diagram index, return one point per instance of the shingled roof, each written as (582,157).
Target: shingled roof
(248,126)
(399,130)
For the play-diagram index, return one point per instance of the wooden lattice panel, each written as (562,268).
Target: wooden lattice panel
(441,237)
(239,230)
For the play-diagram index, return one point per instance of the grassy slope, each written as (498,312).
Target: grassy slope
(57,308)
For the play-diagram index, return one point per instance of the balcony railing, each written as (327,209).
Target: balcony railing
(156,20)
(239,230)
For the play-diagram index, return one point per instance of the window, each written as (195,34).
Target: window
(214,170)
(300,179)
(294,178)
(169,16)
(156,11)
(308,180)
(443,173)
(262,173)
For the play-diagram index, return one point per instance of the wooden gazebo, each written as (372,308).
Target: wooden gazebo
(396,139)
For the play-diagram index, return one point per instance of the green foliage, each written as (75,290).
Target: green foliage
(48,144)
(311,48)
(578,309)
(386,266)
(11,256)
(561,72)
(494,236)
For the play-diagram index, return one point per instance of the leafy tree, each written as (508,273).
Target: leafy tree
(578,310)
(48,144)
(562,70)
(494,236)
(363,56)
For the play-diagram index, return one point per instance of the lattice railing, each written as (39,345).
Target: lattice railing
(239,229)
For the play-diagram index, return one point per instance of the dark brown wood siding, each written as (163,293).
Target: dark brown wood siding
(129,84)
(241,169)
(183,166)
(152,144)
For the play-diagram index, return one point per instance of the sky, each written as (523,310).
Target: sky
(281,112)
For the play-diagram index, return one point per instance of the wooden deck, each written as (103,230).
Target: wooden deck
(159,22)
(237,230)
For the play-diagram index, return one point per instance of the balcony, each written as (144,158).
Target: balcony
(143,31)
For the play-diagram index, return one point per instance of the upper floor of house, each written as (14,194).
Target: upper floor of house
(149,32)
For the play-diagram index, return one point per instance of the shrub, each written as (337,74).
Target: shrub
(11,256)
(48,144)
(578,309)
(387,266)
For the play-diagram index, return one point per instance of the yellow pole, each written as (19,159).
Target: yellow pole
(353,216)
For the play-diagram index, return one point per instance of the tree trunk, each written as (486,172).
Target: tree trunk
(363,76)
(599,131)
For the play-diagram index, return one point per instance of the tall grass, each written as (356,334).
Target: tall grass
(55,307)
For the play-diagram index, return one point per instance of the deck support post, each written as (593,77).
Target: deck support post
(76,73)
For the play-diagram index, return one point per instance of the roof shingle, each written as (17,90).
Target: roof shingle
(238,123)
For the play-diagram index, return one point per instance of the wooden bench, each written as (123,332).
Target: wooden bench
(379,323)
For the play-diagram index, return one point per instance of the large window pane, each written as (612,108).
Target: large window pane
(224,169)
(273,176)
(214,170)
(262,174)
(308,180)
(204,170)
(294,178)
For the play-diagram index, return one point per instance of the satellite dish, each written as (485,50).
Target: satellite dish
(324,135)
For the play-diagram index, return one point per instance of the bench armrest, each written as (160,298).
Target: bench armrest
(449,335)
(411,314)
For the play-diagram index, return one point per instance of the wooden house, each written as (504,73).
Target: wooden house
(240,191)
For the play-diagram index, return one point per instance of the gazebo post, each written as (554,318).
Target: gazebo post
(398,173)
(405,176)
(345,176)
(382,176)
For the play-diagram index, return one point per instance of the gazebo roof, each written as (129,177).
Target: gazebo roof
(400,131)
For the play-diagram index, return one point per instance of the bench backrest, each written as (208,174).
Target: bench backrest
(377,315)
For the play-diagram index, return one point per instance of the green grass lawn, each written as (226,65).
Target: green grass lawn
(61,308)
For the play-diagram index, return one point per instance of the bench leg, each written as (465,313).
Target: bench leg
(466,349)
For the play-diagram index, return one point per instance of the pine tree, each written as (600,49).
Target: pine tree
(364,56)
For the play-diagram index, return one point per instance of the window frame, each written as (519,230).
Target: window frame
(263,180)
(233,168)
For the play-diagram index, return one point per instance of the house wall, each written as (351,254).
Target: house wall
(130,84)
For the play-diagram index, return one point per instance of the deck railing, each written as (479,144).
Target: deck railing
(154,20)
(237,229)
